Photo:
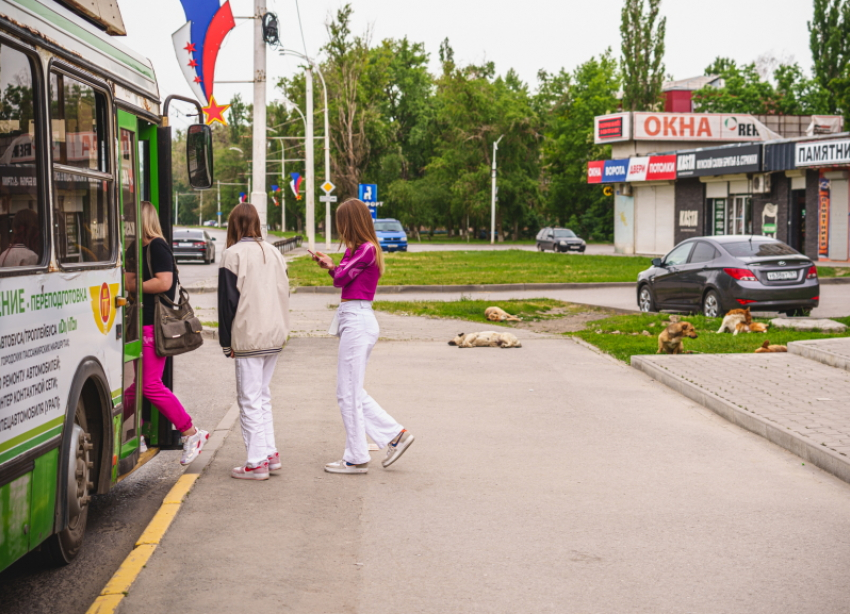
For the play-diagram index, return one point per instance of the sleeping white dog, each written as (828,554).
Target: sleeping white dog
(485,339)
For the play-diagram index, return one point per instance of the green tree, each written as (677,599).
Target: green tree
(642,34)
(829,42)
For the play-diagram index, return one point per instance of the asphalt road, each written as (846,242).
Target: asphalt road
(117,519)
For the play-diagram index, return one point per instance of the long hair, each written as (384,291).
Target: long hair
(244,221)
(355,226)
(150,223)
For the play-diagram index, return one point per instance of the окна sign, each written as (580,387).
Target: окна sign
(719,161)
(823,153)
(640,126)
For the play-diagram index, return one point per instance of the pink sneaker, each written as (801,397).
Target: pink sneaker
(274,462)
(246,472)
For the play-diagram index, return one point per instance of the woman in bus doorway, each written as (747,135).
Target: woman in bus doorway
(253,324)
(357,328)
(158,277)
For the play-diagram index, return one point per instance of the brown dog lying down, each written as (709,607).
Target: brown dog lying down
(766,347)
(670,339)
(752,327)
(486,339)
(497,314)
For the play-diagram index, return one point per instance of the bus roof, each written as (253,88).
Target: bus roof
(49,24)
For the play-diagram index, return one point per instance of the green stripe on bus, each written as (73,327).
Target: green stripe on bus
(14,441)
(116,396)
(74,29)
(31,443)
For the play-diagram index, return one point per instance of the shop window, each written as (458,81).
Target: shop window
(81,174)
(22,212)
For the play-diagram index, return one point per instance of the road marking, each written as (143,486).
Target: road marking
(119,585)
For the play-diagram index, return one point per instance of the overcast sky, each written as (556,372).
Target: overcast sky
(526,36)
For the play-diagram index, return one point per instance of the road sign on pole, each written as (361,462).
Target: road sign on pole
(368,193)
(327,198)
(328,187)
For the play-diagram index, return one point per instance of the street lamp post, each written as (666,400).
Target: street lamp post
(493,193)
(258,190)
(288,105)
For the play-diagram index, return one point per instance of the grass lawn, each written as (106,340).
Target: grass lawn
(830,271)
(484,267)
(530,310)
(625,345)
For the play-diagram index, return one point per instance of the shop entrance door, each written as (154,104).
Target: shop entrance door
(797,221)
(739,215)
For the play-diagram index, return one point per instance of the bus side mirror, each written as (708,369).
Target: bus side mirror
(199,156)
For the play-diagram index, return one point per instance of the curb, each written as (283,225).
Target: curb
(119,585)
(822,457)
(472,287)
(819,353)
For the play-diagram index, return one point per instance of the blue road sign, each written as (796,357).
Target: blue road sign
(368,192)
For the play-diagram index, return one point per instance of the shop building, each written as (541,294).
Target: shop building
(693,183)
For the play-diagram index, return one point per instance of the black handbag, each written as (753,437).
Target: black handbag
(176,328)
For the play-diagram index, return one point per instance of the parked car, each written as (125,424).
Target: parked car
(560,240)
(190,244)
(391,235)
(716,274)
(210,223)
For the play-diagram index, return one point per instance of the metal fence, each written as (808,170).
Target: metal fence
(286,245)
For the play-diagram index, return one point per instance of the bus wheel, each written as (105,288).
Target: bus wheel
(63,547)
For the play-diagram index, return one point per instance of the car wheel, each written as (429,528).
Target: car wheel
(645,300)
(539,247)
(711,305)
(63,547)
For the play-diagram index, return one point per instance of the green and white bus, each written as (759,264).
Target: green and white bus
(84,138)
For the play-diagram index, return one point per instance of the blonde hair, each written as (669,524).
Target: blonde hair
(150,223)
(355,226)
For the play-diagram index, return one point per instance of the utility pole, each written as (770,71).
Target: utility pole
(493,193)
(200,209)
(176,207)
(309,170)
(258,193)
(283,185)
(218,204)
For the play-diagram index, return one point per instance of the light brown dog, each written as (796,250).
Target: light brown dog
(752,327)
(766,347)
(486,339)
(497,314)
(733,318)
(670,339)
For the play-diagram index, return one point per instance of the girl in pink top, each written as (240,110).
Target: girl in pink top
(355,324)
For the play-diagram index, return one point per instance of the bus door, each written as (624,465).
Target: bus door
(131,227)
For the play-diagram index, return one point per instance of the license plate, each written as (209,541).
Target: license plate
(777,275)
(184,245)
(391,245)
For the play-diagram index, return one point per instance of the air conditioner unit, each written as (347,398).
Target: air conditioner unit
(625,189)
(761,184)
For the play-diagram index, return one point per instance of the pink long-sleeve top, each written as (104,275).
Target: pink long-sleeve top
(357,273)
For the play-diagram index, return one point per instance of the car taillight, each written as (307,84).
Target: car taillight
(200,244)
(741,274)
(816,298)
(813,272)
(744,301)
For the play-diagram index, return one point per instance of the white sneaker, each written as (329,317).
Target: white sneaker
(143,447)
(342,466)
(192,446)
(397,447)
(246,472)
(274,462)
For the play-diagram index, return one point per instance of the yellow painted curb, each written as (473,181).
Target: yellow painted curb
(118,586)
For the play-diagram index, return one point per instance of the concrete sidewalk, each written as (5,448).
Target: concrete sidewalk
(545,479)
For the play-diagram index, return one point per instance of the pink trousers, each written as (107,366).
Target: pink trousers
(152,387)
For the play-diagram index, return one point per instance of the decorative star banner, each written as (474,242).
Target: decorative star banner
(196,46)
(295,184)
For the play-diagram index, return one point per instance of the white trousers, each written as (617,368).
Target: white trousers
(253,377)
(361,415)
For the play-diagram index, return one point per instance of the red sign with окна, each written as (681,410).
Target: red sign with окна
(661,168)
(594,171)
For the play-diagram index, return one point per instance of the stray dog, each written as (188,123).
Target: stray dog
(670,339)
(733,318)
(497,314)
(766,347)
(486,339)
(752,327)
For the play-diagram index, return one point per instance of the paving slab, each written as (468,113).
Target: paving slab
(809,324)
(799,404)
(832,352)
(547,479)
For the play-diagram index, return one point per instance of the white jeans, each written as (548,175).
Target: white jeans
(361,415)
(253,377)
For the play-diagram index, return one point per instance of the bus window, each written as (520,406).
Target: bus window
(22,213)
(82,176)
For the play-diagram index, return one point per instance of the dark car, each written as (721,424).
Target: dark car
(559,240)
(190,244)
(391,235)
(716,274)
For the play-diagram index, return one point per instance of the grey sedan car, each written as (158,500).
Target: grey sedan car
(560,240)
(716,274)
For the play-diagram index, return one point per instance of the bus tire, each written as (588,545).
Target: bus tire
(63,547)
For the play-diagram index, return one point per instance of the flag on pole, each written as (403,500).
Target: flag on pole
(243,198)
(295,184)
